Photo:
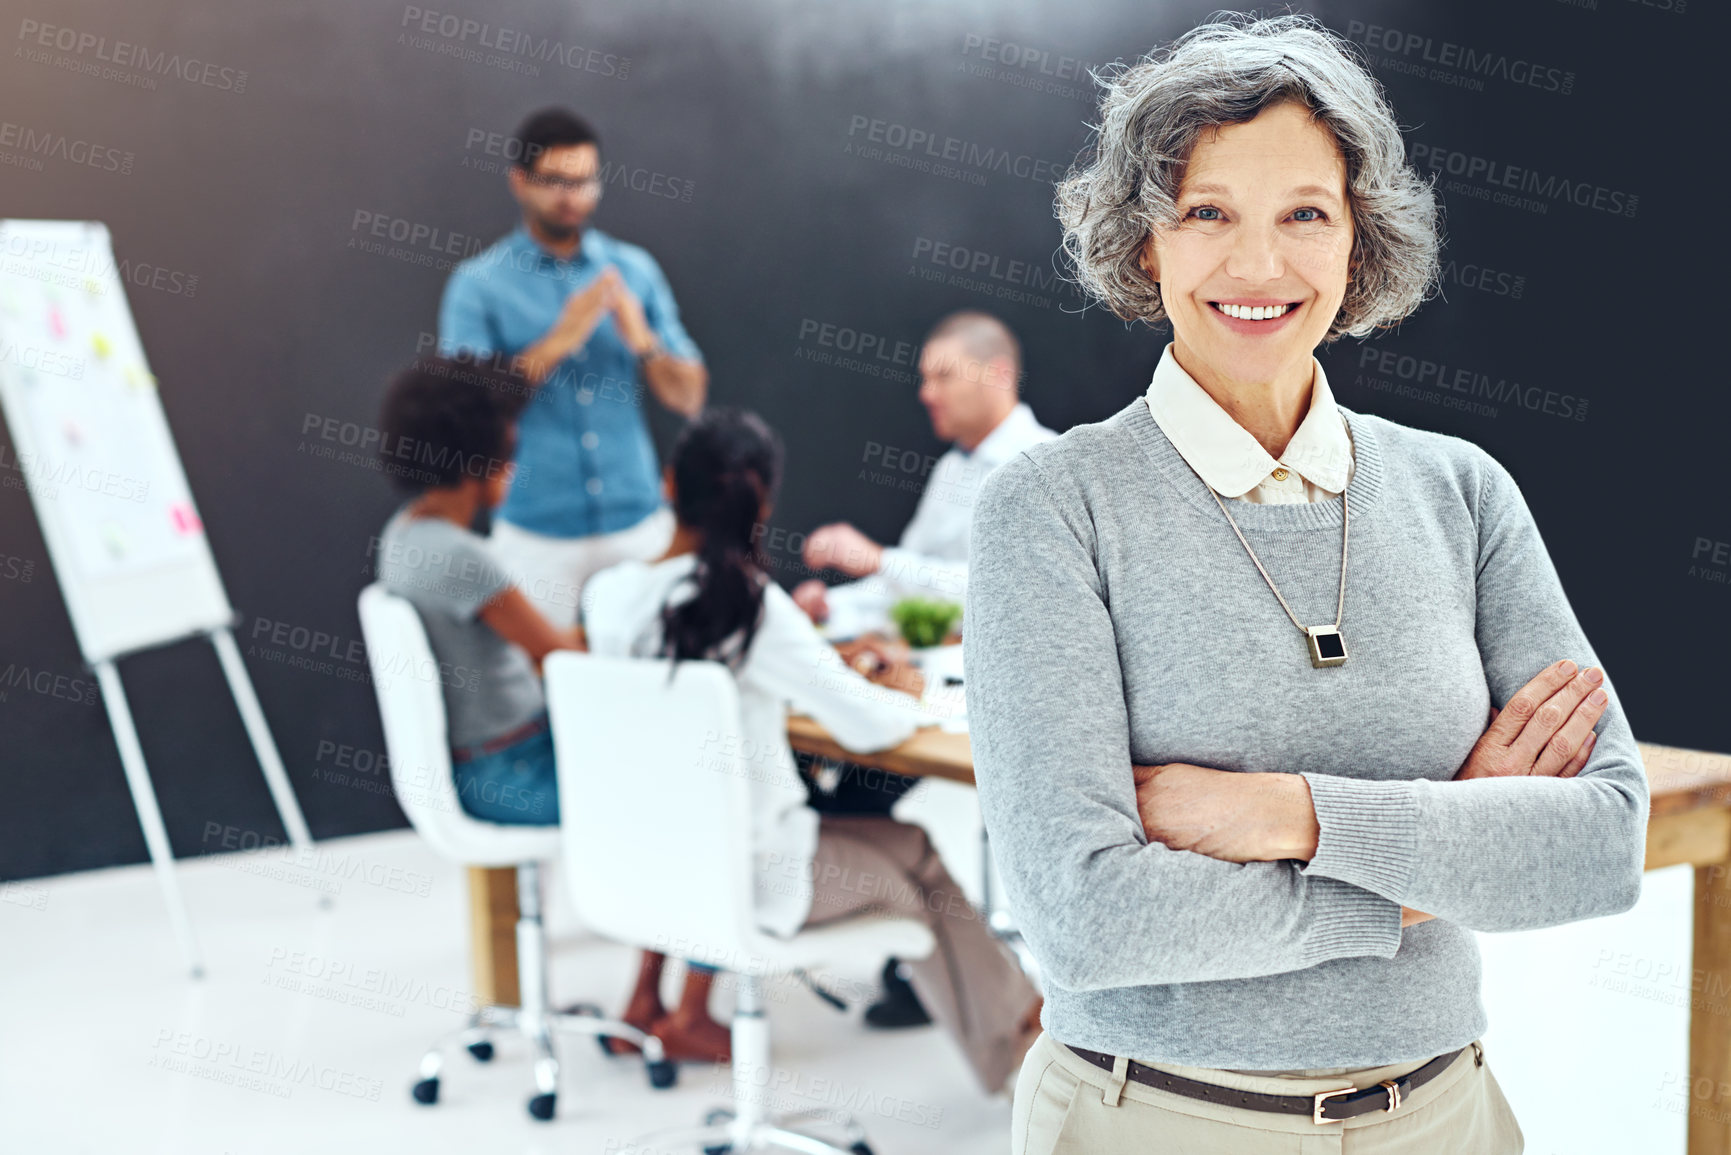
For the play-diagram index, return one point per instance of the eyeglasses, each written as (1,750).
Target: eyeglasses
(589,186)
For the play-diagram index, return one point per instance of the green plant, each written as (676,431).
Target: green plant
(925,621)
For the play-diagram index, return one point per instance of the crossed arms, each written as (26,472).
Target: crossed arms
(1490,850)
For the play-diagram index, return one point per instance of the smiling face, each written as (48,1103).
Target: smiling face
(1256,268)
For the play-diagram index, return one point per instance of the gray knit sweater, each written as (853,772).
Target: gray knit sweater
(1114,618)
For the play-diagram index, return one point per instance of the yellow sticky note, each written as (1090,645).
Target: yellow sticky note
(100,344)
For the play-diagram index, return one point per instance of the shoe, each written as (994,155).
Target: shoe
(899,1006)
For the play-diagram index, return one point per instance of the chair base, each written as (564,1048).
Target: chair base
(723,1139)
(535,1020)
(477,1038)
(748,1125)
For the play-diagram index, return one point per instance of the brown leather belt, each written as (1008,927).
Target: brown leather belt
(1340,1104)
(493,745)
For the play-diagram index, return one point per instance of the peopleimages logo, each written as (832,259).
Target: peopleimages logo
(1520,187)
(1457,62)
(448,34)
(927,151)
(36,36)
(33,144)
(1442,377)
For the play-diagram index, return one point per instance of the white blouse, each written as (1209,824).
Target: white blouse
(1315,466)
(789,663)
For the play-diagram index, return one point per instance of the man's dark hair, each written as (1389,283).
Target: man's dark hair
(548,128)
(445,419)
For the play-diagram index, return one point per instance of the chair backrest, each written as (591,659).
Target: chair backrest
(412,707)
(657,834)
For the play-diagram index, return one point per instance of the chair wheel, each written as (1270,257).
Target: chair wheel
(860,1149)
(426,1091)
(721,1150)
(483,1051)
(663,1073)
(717,1115)
(541,1106)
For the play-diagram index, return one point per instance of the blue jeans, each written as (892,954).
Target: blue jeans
(516,786)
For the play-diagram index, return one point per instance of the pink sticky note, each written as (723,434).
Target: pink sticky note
(185,518)
(56,323)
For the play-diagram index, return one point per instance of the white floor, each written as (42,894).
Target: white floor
(306,1033)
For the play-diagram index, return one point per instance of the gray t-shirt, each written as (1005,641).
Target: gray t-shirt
(448,573)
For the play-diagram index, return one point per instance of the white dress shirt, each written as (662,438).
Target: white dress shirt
(1315,465)
(788,662)
(931,560)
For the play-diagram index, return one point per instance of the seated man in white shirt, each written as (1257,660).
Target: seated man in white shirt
(969,369)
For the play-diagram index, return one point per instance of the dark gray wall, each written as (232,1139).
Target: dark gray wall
(745,111)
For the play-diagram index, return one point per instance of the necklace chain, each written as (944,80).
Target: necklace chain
(1345,524)
(1345,528)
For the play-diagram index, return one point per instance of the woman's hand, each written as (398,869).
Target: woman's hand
(812,596)
(1225,814)
(1545,729)
(885,662)
(1232,816)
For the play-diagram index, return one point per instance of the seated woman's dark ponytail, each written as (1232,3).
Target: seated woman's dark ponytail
(726,465)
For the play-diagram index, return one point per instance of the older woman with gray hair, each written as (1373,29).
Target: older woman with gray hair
(1252,793)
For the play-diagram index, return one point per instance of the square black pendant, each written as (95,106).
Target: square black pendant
(1327,647)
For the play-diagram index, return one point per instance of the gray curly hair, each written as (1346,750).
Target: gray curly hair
(1226,72)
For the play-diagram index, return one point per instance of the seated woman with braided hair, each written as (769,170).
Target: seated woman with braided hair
(710,598)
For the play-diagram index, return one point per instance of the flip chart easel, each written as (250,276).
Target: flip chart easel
(105,479)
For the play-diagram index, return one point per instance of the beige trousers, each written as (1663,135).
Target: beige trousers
(971,982)
(551,570)
(1065,1104)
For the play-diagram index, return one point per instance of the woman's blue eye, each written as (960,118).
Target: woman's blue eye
(1205,209)
(1310,220)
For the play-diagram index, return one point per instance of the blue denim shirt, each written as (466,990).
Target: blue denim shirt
(585,461)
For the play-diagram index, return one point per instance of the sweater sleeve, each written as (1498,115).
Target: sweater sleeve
(1497,854)
(1098,904)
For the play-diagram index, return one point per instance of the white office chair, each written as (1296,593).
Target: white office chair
(412,707)
(651,763)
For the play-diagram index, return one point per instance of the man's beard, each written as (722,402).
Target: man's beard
(558,230)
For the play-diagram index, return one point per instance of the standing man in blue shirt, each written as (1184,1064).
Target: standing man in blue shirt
(589,322)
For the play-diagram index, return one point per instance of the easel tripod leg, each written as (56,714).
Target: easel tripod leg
(262,743)
(149,816)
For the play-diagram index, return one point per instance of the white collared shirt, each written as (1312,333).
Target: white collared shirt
(931,560)
(1315,465)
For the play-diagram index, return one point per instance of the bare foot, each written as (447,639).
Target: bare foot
(694,1040)
(642,1013)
